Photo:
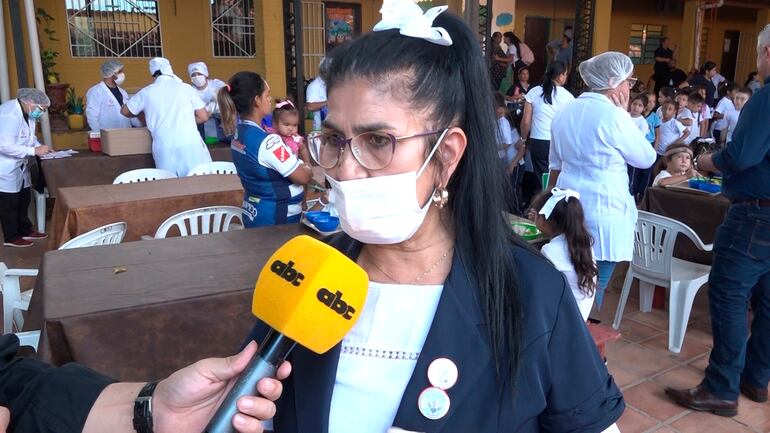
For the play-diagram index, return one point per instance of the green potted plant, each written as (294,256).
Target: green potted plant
(56,91)
(75,118)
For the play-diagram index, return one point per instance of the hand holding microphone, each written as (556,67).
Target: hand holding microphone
(309,294)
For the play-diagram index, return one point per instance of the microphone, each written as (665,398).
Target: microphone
(309,294)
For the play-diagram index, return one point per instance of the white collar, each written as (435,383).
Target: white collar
(596,96)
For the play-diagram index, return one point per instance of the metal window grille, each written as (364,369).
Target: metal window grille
(232,28)
(704,42)
(313,36)
(643,40)
(114,28)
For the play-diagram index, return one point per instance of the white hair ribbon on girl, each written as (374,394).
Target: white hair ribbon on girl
(557,196)
(408,18)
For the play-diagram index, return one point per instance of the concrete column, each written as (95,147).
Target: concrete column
(37,66)
(5,87)
(687,42)
(601,21)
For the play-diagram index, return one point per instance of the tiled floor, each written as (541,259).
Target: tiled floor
(640,363)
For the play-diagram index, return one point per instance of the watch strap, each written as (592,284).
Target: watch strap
(143,409)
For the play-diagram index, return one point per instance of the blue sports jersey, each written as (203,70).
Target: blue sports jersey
(264,163)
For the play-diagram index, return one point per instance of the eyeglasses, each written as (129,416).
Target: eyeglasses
(632,81)
(373,150)
(43,109)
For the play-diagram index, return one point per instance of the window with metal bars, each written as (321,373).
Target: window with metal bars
(313,36)
(232,28)
(643,40)
(114,28)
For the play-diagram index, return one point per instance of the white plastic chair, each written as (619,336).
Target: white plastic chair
(143,175)
(216,167)
(14,301)
(110,234)
(654,265)
(39,214)
(29,338)
(212,219)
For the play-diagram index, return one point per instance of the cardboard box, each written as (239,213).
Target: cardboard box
(126,141)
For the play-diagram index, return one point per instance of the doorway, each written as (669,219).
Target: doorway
(536,31)
(730,54)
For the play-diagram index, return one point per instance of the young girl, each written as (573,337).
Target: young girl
(510,150)
(286,124)
(520,87)
(678,166)
(636,110)
(641,113)
(670,131)
(560,217)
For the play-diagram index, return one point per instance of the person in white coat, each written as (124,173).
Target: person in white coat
(171,109)
(593,138)
(18,118)
(103,100)
(207,90)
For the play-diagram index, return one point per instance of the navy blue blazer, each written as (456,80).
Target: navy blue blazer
(562,385)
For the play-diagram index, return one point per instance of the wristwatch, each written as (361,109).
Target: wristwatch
(143,409)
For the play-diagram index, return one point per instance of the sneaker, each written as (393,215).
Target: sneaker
(18,243)
(34,235)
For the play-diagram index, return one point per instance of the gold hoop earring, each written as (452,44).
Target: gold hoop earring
(440,197)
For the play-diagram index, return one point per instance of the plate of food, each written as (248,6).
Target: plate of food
(528,231)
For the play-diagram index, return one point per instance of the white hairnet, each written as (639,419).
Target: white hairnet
(198,67)
(160,64)
(33,96)
(606,71)
(110,67)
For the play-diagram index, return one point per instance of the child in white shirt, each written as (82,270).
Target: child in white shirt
(690,116)
(678,166)
(636,110)
(560,217)
(670,131)
(740,98)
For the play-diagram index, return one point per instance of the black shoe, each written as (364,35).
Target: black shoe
(699,399)
(752,393)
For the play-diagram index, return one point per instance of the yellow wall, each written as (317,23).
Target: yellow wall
(13,77)
(186,38)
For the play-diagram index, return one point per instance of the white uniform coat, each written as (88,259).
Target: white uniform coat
(592,141)
(169,110)
(17,143)
(209,97)
(103,110)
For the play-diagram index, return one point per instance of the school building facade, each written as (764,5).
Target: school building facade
(235,35)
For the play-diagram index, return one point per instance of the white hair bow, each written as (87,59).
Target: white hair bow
(408,18)
(557,195)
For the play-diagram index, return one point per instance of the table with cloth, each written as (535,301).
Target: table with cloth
(95,168)
(144,206)
(701,212)
(140,310)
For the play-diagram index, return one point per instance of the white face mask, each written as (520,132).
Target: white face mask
(120,78)
(381,210)
(199,80)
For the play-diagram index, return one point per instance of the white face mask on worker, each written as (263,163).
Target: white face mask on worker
(120,78)
(199,81)
(383,209)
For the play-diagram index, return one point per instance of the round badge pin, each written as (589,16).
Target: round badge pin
(442,373)
(433,403)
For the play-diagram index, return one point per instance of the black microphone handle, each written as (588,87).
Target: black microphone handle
(265,362)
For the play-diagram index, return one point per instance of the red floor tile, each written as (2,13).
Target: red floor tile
(682,377)
(640,360)
(754,415)
(650,398)
(633,421)
(655,318)
(690,349)
(634,331)
(702,422)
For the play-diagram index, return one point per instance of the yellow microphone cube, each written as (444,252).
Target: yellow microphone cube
(311,293)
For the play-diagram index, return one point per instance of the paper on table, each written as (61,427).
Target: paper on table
(59,154)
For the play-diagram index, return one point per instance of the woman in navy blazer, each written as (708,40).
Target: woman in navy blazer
(421,198)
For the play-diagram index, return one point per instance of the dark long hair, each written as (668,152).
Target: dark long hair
(516,42)
(751,77)
(567,219)
(707,67)
(237,97)
(554,69)
(451,85)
